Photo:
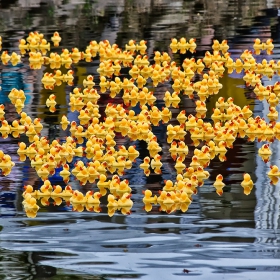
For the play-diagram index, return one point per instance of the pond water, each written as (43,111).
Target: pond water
(233,236)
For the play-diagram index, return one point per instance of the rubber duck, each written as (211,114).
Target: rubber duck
(168,186)
(43,172)
(216,45)
(265,152)
(196,134)
(133,153)
(130,46)
(192,45)
(93,197)
(76,55)
(273,114)
(174,45)
(153,147)
(112,202)
(168,199)
(125,201)
(183,46)
(51,102)
(17,129)
(258,46)
(247,181)
(218,184)
(123,187)
(201,108)
(5,129)
(56,39)
(145,166)
(48,81)
(67,192)
(21,151)
(30,204)
(221,147)
(102,182)
(179,166)
(15,58)
(2,112)
(141,47)
(78,198)
(23,46)
(57,191)
(224,46)
(173,150)
(182,150)
(46,189)
(44,46)
(268,46)
(166,115)
(65,173)
(274,171)
(28,189)
(5,57)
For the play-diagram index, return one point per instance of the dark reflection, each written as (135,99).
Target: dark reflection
(231,239)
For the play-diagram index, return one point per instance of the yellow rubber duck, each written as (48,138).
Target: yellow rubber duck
(125,200)
(15,58)
(67,192)
(142,47)
(23,46)
(28,189)
(56,39)
(5,129)
(168,186)
(51,101)
(218,184)
(145,166)
(93,197)
(258,46)
(174,45)
(268,46)
(46,189)
(247,181)
(21,151)
(179,166)
(166,115)
(43,172)
(5,57)
(57,191)
(123,187)
(183,45)
(274,171)
(265,152)
(65,173)
(30,204)
(78,198)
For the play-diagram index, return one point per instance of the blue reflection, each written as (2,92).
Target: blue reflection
(11,77)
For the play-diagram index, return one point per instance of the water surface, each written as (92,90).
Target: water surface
(229,237)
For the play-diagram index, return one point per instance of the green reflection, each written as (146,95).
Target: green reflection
(232,87)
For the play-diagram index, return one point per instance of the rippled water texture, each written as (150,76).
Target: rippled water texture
(229,237)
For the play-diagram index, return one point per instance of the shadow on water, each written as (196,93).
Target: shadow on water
(233,236)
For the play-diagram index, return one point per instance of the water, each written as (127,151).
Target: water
(229,237)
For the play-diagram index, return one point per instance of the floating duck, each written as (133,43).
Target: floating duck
(125,201)
(57,191)
(180,166)
(56,39)
(29,190)
(93,197)
(218,184)
(265,152)
(274,171)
